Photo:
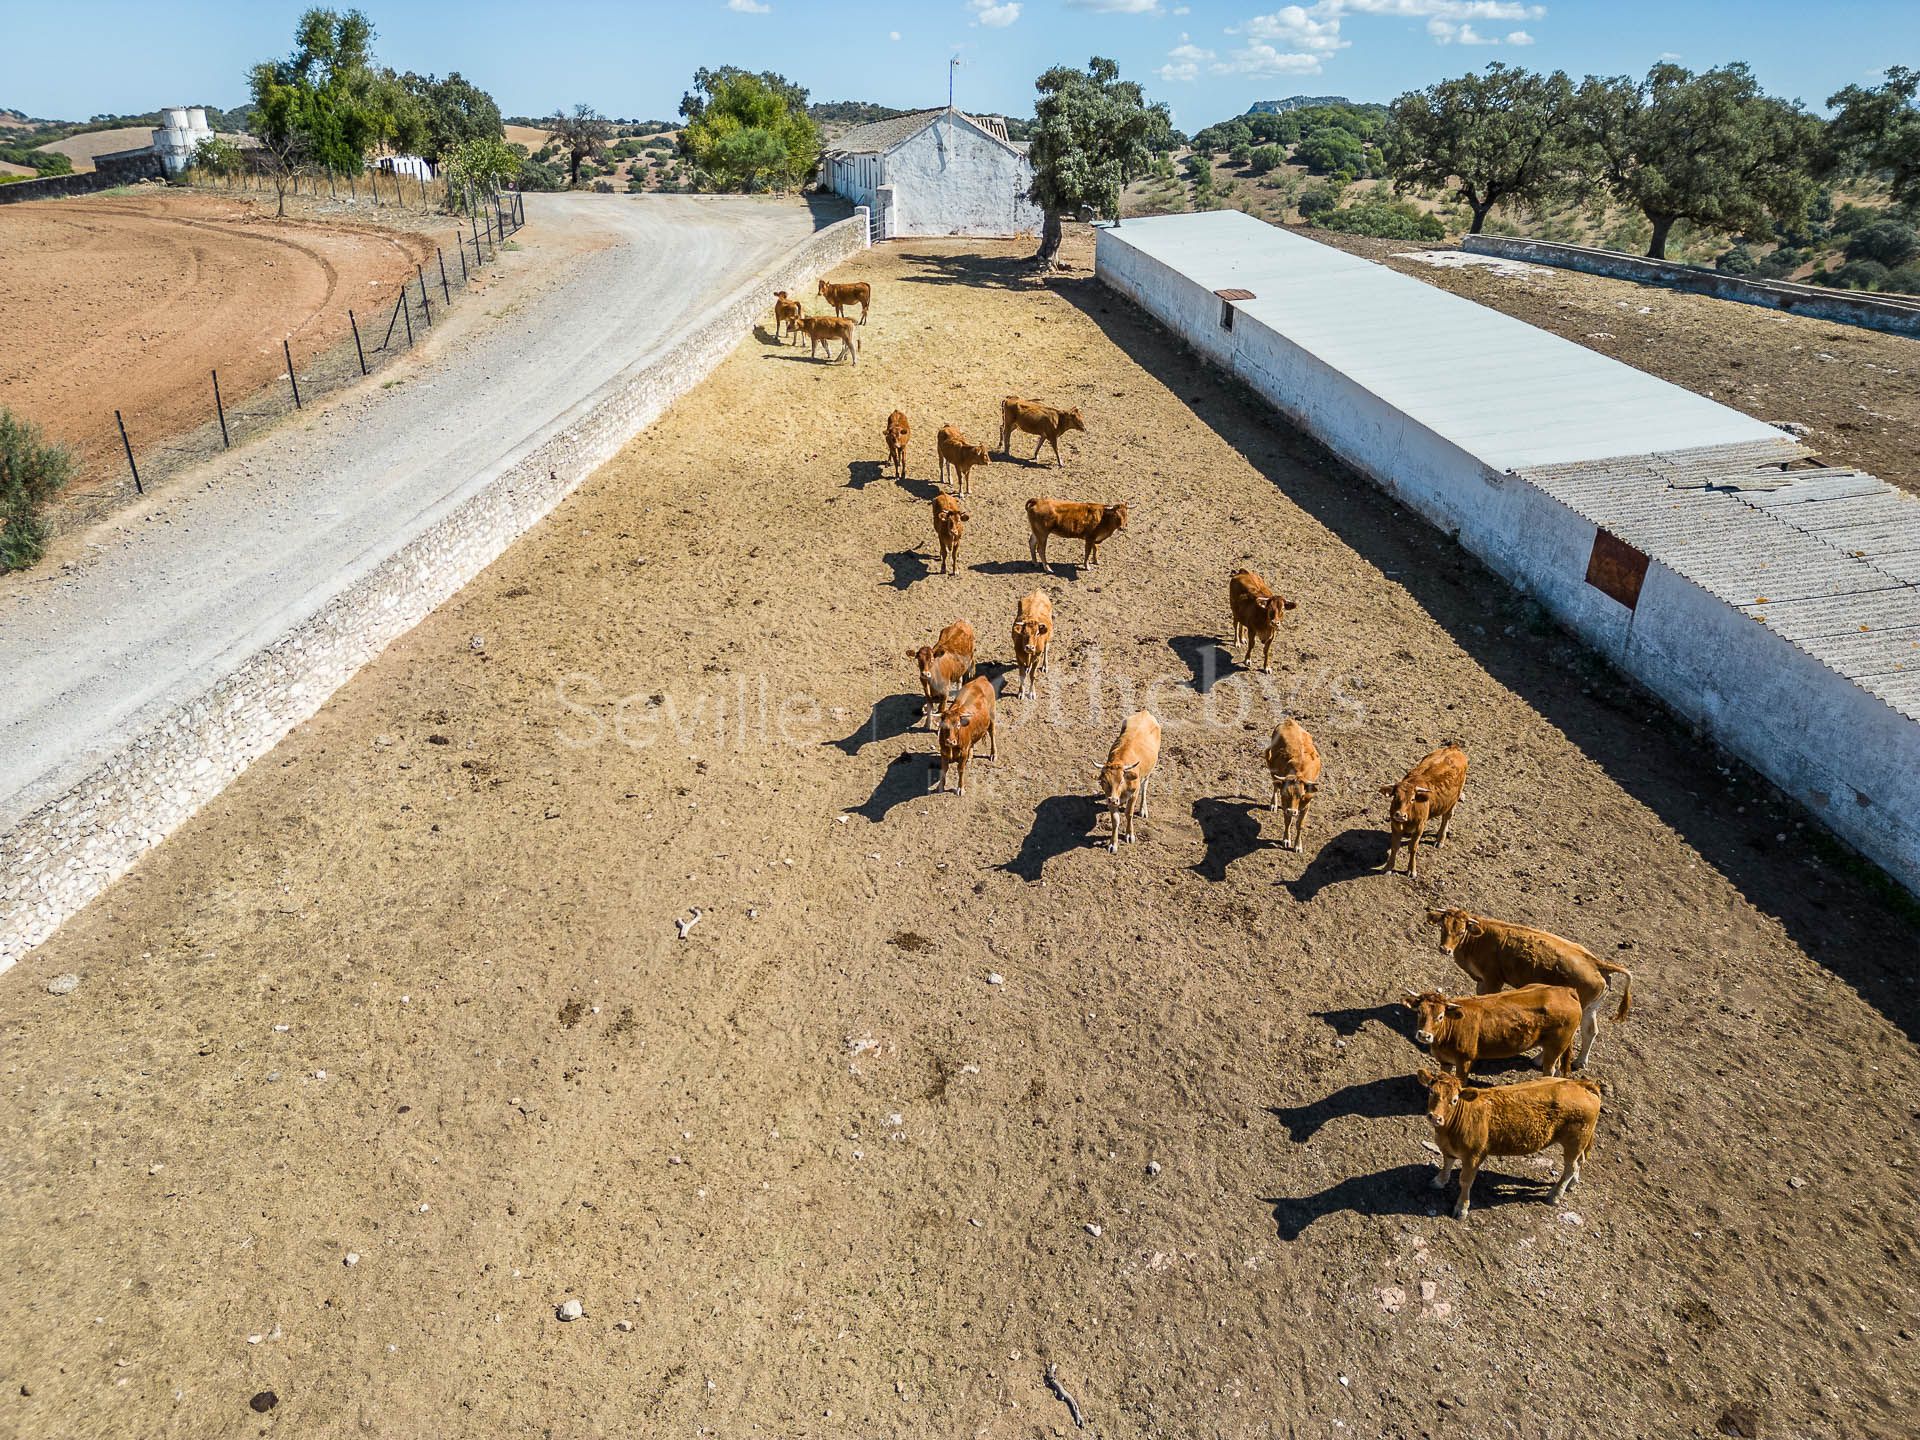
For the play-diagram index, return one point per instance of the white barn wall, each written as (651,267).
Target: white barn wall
(1849,757)
(954,180)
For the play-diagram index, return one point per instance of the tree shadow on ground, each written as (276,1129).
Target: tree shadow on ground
(907,777)
(1231,829)
(1843,912)
(892,715)
(998,272)
(1060,823)
(1352,853)
(1208,661)
(908,566)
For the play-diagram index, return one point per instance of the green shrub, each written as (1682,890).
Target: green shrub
(1738,260)
(1241,154)
(1886,242)
(1265,158)
(1855,275)
(1320,200)
(32,472)
(1904,281)
(1396,220)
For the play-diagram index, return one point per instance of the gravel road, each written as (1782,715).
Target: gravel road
(165,599)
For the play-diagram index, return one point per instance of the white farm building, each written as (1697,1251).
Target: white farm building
(935,172)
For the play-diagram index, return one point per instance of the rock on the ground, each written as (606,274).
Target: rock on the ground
(63,984)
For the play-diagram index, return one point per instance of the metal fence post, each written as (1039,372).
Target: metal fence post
(426,305)
(293,380)
(446,293)
(407,310)
(226,441)
(473,219)
(356,342)
(138,488)
(460,243)
(392,321)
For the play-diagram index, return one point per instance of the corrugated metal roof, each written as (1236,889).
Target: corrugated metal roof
(1508,393)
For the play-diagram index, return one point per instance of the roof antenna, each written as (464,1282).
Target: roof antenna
(952,65)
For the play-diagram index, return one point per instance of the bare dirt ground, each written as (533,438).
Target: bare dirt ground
(1857,390)
(137,297)
(410,989)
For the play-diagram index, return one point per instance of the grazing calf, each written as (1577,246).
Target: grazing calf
(857,292)
(1036,419)
(949,524)
(1520,1119)
(825,329)
(943,666)
(1258,611)
(1496,953)
(1468,1028)
(1429,791)
(1076,520)
(963,724)
(1123,779)
(958,456)
(1294,761)
(898,433)
(1032,634)
(786,313)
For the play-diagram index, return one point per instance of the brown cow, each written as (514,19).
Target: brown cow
(1076,520)
(825,329)
(1258,611)
(1294,762)
(962,726)
(898,433)
(943,665)
(1496,953)
(1520,1119)
(949,524)
(785,313)
(1429,791)
(1468,1028)
(957,455)
(1123,779)
(857,292)
(1032,634)
(1036,419)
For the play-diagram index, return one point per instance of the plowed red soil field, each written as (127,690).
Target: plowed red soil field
(128,302)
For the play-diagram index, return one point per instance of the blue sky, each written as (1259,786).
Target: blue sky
(1208,58)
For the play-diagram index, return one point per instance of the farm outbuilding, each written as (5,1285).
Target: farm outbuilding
(935,172)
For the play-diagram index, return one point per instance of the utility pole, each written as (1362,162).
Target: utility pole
(952,65)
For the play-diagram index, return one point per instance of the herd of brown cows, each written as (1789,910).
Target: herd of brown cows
(1533,990)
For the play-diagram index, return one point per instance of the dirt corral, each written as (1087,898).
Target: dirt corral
(394,1049)
(1856,391)
(131,301)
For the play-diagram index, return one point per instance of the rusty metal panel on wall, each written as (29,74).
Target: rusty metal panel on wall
(1616,569)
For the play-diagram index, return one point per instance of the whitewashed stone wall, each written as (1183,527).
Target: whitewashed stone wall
(70,850)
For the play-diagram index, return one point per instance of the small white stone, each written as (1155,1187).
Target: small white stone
(1567,1217)
(571,1310)
(319,1074)
(1153,1167)
(1093,1230)
(423,1207)
(353,1258)
(996,978)
(623,1325)
(281,1029)
(63,984)
(895,1119)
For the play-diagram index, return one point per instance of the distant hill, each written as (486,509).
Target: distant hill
(1295,102)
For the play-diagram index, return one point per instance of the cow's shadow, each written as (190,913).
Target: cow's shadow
(768,336)
(862,473)
(1060,823)
(1402,1190)
(892,715)
(1396,1018)
(1058,570)
(1206,657)
(1382,1099)
(908,567)
(920,489)
(907,777)
(1350,855)
(1231,829)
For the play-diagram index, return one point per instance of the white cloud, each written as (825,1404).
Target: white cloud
(1297,29)
(994,17)
(749,7)
(893,34)
(1300,39)
(1183,9)
(1669,56)
(1519,37)
(1260,58)
(1117,7)
(1442,9)
(1184,62)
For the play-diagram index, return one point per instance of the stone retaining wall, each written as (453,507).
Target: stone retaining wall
(1897,314)
(70,850)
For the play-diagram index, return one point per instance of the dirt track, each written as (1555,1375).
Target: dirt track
(838,1181)
(136,298)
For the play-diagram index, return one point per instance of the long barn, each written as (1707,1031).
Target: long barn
(935,172)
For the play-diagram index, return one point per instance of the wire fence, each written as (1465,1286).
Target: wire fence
(375,337)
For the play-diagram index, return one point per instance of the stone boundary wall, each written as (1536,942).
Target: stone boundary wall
(67,852)
(1898,315)
(122,169)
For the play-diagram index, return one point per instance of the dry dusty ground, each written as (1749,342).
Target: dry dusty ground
(136,298)
(410,989)
(1857,391)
